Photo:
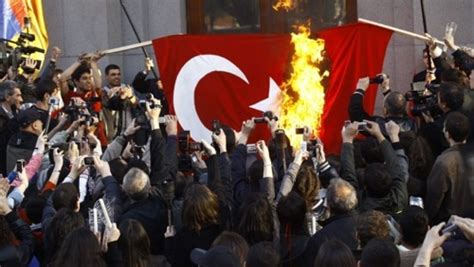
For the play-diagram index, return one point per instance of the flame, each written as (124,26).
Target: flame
(302,100)
(284,4)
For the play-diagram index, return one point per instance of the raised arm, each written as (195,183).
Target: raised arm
(348,171)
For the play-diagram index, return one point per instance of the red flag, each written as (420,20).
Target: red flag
(235,77)
(224,77)
(355,51)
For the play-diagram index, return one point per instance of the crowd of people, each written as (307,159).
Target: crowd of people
(99,175)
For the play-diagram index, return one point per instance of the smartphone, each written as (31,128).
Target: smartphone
(19,165)
(251,148)
(448,228)
(304,146)
(299,130)
(88,161)
(216,127)
(362,126)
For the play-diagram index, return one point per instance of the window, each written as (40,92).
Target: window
(258,16)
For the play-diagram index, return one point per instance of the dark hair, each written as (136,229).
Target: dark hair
(34,208)
(6,235)
(457,76)
(118,168)
(235,242)
(134,244)
(414,224)
(230,139)
(291,211)
(65,196)
(83,68)
(451,94)
(421,158)
(457,125)
(80,249)
(255,174)
(63,222)
(256,219)
(44,87)
(307,183)
(200,207)
(377,180)
(380,252)
(263,254)
(6,89)
(334,253)
(371,224)
(370,150)
(111,67)
(395,103)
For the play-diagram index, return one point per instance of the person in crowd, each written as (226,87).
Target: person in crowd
(294,232)
(23,144)
(334,253)
(81,249)
(421,161)
(118,98)
(414,224)
(450,98)
(205,212)
(10,102)
(430,70)
(384,186)
(379,253)
(263,254)
(258,220)
(341,200)
(215,257)
(235,242)
(17,243)
(448,191)
(48,99)
(134,244)
(371,224)
(394,106)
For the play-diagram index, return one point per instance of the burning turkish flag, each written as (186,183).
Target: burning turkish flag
(235,77)
(227,77)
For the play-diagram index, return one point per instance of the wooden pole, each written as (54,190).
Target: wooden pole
(398,30)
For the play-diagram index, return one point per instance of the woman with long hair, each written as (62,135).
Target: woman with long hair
(63,222)
(79,249)
(134,244)
(205,212)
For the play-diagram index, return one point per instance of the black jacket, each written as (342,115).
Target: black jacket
(18,255)
(397,163)
(179,247)
(357,113)
(340,227)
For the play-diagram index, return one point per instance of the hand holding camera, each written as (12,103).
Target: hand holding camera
(209,149)
(131,129)
(171,125)
(363,83)
(373,128)
(153,109)
(349,131)
(247,128)
(77,167)
(263,152)
(101,166)
(41,143)
(466,225)
(221,141)
(300,155)
(58,157)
